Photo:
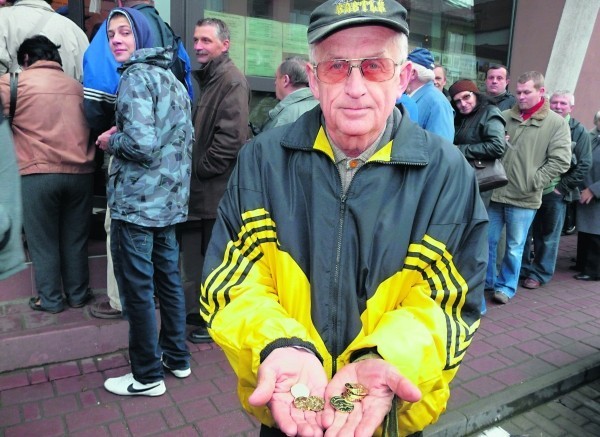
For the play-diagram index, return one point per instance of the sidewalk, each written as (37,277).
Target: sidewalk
(542,343)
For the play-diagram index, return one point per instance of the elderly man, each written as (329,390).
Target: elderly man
(435,112)
(291,88)
(496,85)
(549,219)
(349,252)
(541,151)
(440,79)
(26,18)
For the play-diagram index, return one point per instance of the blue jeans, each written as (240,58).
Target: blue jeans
(546,229)
(146,264)
(517,221)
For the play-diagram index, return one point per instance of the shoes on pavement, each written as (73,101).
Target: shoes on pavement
(103,310)
(531,283)
(199,335)
(584,277)
(178,373)
(194,319)
(89,296)
(35,303)
(127,385)
(500,297)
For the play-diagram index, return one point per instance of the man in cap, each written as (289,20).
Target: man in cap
(435,112)
(348,255)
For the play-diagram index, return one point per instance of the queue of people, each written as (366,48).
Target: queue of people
(345,244)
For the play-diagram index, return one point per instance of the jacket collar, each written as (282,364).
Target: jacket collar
(536,118)
(409,145)
(292,98)
(203,75)
(44,64)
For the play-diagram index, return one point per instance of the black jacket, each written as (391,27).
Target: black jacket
(480,134)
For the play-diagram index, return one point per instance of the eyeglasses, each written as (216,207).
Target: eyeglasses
(464,98)
(372,69)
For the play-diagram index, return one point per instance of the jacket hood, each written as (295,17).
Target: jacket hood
(158,56)
(139,25)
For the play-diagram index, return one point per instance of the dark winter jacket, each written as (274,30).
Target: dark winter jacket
(580,164)
(480,134)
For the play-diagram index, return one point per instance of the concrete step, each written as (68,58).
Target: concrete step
(33,338)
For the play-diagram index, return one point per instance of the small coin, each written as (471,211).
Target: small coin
(300,390)
(341,404)
(352,397)
(301,402)
(356,389)
(315,403)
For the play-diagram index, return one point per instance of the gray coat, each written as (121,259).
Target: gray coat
(12,257)
(291,108)
(588,216)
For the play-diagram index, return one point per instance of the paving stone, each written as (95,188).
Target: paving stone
(13,380)
(173,417)
(91,417)
(9,416)
(147,424)
(60,405)
(45,427)
(225,425)
(38,375)
(197,410)
(190,392)
(24,394)
(79,384)
(63,370)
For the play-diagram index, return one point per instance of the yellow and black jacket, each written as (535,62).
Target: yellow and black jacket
(396,264)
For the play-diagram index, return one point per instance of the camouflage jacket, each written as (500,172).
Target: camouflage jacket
(149,178)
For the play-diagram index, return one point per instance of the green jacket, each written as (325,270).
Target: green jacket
(540,150)
(291,108)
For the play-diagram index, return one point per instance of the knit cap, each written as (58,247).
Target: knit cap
(462,85)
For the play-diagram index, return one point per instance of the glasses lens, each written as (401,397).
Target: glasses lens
(332,71)
(377,69)
(464,98)
(374,70)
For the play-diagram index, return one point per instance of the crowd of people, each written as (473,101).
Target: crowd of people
(343,243)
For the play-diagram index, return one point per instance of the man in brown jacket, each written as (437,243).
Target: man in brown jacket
(221,128)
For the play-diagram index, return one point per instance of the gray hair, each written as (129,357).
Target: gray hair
(423,73)
(564,93)
(295,68)
(596,117)
(222,30)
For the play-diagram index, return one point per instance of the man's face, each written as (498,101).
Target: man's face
(561,105)
(440,78)
(207,44)
(528,96)
(121,38)
(356,109)
(495,81)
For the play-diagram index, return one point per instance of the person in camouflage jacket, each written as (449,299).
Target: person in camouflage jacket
(148,192)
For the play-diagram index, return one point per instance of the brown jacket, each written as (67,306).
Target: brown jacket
(221,128)
(49,127)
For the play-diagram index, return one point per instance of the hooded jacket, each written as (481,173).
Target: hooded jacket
(541,151)
(395,264)
(150,173)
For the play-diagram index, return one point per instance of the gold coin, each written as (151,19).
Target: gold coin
(300,390)
(341,404)
(301,402)
(352,397)
(356,389)
(315,403)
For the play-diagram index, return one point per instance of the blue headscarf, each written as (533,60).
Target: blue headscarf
(139,24)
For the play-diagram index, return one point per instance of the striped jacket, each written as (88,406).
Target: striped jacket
(397,263)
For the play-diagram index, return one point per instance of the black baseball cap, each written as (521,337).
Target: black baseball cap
(334,15)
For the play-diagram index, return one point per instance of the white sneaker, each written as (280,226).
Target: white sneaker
(126,385)
(179,373)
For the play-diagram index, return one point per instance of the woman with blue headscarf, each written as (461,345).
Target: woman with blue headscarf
(148,191)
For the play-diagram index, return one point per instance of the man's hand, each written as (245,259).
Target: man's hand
(586,196)
(104,138)
(382,380)
(283,368)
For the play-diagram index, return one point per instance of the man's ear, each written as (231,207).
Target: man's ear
(286,80)
(405,76)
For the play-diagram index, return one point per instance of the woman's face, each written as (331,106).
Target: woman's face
(465,102)
(121,38)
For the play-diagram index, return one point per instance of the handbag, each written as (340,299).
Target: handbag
(490,173)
